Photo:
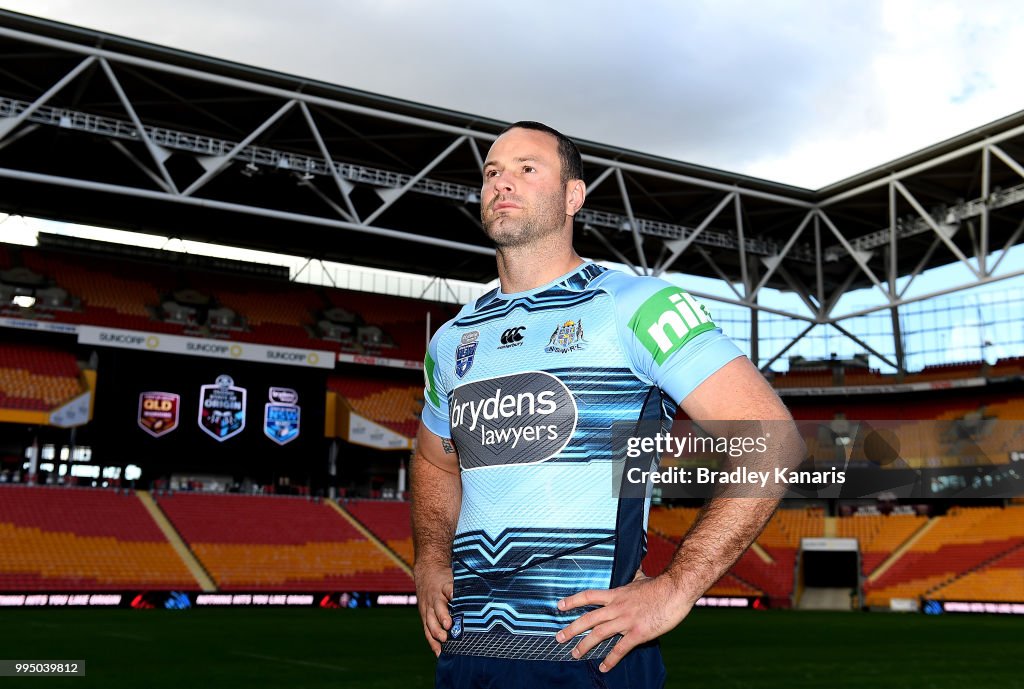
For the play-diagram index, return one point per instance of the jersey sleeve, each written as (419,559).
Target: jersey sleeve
(669,336)
(435,390)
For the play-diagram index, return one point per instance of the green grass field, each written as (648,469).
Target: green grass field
(720,649)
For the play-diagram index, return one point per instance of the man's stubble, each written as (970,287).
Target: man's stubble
(508,231)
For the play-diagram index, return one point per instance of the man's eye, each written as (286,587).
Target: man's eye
(490,173)
(529,168)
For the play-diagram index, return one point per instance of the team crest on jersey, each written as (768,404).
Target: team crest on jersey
(456,626)
(281,416)
(222,409)
(568,337)
(465,353)
(158,412)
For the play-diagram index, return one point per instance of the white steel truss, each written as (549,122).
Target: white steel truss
(657,244)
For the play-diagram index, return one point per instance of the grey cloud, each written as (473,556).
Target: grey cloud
(711,83)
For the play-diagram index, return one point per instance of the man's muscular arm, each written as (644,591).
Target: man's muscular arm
(647,608)
(436,498)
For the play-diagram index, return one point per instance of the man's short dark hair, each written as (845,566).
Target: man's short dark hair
(568,153)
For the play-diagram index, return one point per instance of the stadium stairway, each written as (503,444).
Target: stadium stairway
(372,537)
(195,567)
(955,588)
(83,539)
(281,543)
(388,520)
(959,543)
(898,553)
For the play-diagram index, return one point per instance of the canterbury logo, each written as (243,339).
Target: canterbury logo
(513,335)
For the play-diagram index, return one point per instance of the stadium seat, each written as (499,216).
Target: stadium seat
(389,520)
(83,539)
(280,543)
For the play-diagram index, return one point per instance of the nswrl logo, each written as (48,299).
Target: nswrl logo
(281,416)
(667,320)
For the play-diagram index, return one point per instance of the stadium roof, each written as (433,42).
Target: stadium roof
(109,131)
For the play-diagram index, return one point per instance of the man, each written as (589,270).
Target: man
(527,565)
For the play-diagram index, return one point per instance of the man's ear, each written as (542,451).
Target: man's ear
(575,195)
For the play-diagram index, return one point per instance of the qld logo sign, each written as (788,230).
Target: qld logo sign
(281,416)
(222,409)
(158,412)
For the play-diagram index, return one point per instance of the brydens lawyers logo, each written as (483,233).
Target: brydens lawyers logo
(513,337)
(522,418)
(466,352)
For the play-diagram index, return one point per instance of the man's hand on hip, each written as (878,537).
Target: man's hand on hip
(642,610)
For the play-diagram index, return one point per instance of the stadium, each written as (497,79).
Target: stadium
(203,457)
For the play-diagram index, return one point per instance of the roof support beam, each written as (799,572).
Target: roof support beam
(920,266)
(678,246)
(768,364)
(864,344)
(935,227)
(922,167)
(600,178)
(744,274)
(611,249)
(344,186)
(986,193)
(158,154)
(157,179)
(773,262)
(638,241)
(859,257)
(220,163)
(718,270)
(6,173)
(390,196)
(7,125)
(1014,238)
(987,280)
(800,290)
(760,307)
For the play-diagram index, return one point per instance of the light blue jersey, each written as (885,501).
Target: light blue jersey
(528,386)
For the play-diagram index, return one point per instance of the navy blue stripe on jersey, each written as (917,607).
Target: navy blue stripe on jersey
(630,536)
(603,397)
(582,279)
(516,580)
(516,549)
(575,283)
(485,298)
(502,307)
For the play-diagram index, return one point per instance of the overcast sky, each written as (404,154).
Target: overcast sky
(800,92)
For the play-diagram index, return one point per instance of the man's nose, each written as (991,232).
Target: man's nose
(501,183)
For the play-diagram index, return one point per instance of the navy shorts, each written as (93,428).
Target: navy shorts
(640,669)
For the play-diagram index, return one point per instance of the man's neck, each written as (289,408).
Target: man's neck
(525,268)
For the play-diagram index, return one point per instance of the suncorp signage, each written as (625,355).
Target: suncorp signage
(197,346)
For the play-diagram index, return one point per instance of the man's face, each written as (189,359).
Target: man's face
(523,197)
